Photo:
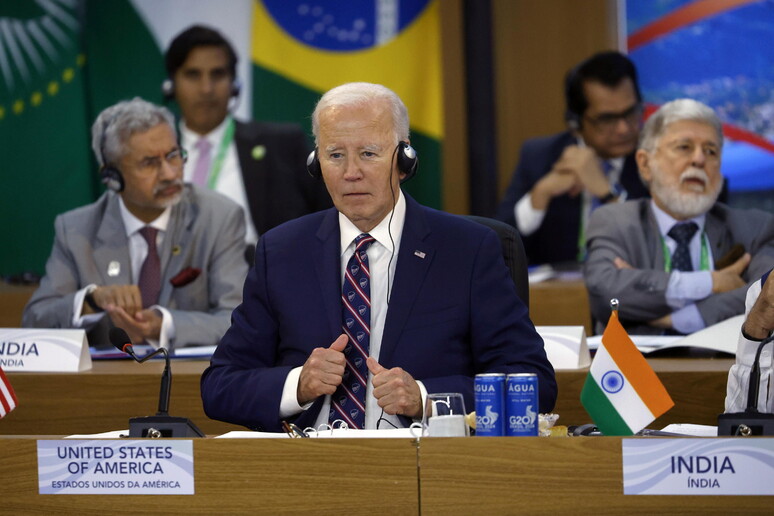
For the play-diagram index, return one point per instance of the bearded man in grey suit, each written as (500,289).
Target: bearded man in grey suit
(160,259)
(681,261)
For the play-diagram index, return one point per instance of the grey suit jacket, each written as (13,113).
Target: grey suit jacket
(629,230)
(206,231)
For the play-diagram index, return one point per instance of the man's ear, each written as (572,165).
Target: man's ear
(643,164)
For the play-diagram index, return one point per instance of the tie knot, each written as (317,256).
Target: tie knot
(363,241)
(683,232)
(203,145)
(149,234)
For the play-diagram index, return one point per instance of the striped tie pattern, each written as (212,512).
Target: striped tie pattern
(348,402)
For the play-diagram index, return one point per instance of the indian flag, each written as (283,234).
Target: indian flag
(622,394)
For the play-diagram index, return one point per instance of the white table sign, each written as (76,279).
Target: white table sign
(565,346)
(731,466)
(40,349)
(137,467)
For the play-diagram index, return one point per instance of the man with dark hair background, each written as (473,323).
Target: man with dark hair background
(561,178)
(260,165)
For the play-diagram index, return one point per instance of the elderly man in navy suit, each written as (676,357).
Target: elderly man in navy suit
(357,312)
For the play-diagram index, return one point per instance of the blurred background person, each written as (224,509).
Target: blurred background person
(160,259)
(680,261)
(561,178)
(260,165)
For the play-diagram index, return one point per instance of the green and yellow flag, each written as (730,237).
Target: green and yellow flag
(302,49)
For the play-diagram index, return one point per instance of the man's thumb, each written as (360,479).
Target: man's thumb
(340,343)
(374,366)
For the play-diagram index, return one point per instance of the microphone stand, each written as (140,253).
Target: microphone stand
(751,421)
(162,424)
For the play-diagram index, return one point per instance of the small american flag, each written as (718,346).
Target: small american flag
(7,396)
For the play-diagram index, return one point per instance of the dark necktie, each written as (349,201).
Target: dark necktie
(150,274)
(682,233)
(348,402)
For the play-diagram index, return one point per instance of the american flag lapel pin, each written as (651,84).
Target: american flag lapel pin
(420,254)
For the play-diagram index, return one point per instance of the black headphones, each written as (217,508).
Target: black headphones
(407,162)
(168,88)
(110,176)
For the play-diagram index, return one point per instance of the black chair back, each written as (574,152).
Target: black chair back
(513,252)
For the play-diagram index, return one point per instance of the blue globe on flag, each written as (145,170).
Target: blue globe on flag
(344,26)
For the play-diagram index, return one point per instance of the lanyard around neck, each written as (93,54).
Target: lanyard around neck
(217,164)
(703,262)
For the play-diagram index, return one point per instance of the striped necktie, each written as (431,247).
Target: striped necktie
(348,402)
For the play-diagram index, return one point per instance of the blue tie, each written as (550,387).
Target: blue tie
(348,402)
(682,233)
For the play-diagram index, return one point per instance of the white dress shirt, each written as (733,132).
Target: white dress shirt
(138,251)
(739,375)
(382,262)
(229,181)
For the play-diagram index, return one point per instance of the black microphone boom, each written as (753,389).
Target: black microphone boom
(162,424)
(751,421)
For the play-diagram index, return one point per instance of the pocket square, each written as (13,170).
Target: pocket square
(185,277)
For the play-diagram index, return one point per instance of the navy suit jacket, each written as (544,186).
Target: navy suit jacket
(453,313)
(556,240)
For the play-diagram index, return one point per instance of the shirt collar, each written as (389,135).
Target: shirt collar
(189,137)
(132,224)
(386,236)
(666,221)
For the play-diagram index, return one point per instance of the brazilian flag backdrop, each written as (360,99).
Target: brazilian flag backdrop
(302,49)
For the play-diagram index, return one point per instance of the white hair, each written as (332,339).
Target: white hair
(676,111)
(362,93)
(116,124)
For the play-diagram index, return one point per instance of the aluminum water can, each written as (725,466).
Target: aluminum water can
(490,404)
(521,404)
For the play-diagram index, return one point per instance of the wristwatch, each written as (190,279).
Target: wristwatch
(616,193)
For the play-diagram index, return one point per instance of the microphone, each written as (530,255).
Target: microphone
(162,424)
(751,421)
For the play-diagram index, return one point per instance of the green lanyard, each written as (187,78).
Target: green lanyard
(225,142)
(704,262)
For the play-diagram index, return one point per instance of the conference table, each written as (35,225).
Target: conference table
(105,397)
(463,475)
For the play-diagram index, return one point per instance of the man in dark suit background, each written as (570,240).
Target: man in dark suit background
(442,307)
(669,259)
(260,165)
(163,260)
(559,179)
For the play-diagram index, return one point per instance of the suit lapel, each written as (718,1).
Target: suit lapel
(327,265)
(720,238)
(111,250)
(174,252)
(414,259)
(254,173)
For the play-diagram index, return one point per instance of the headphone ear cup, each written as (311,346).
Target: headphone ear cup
(111,177)
(236,87)
(313,165)
(573,121)
(407,161)
(168,89)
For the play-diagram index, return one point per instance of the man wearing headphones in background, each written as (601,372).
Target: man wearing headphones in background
(160,259)
(261,166)
(357,312)
(561,178)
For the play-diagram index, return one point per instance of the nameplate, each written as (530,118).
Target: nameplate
(565,346)
(36,349)
(740,466)
(136,467)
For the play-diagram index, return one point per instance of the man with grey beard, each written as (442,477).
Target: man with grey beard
(160,259)
(680,261)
